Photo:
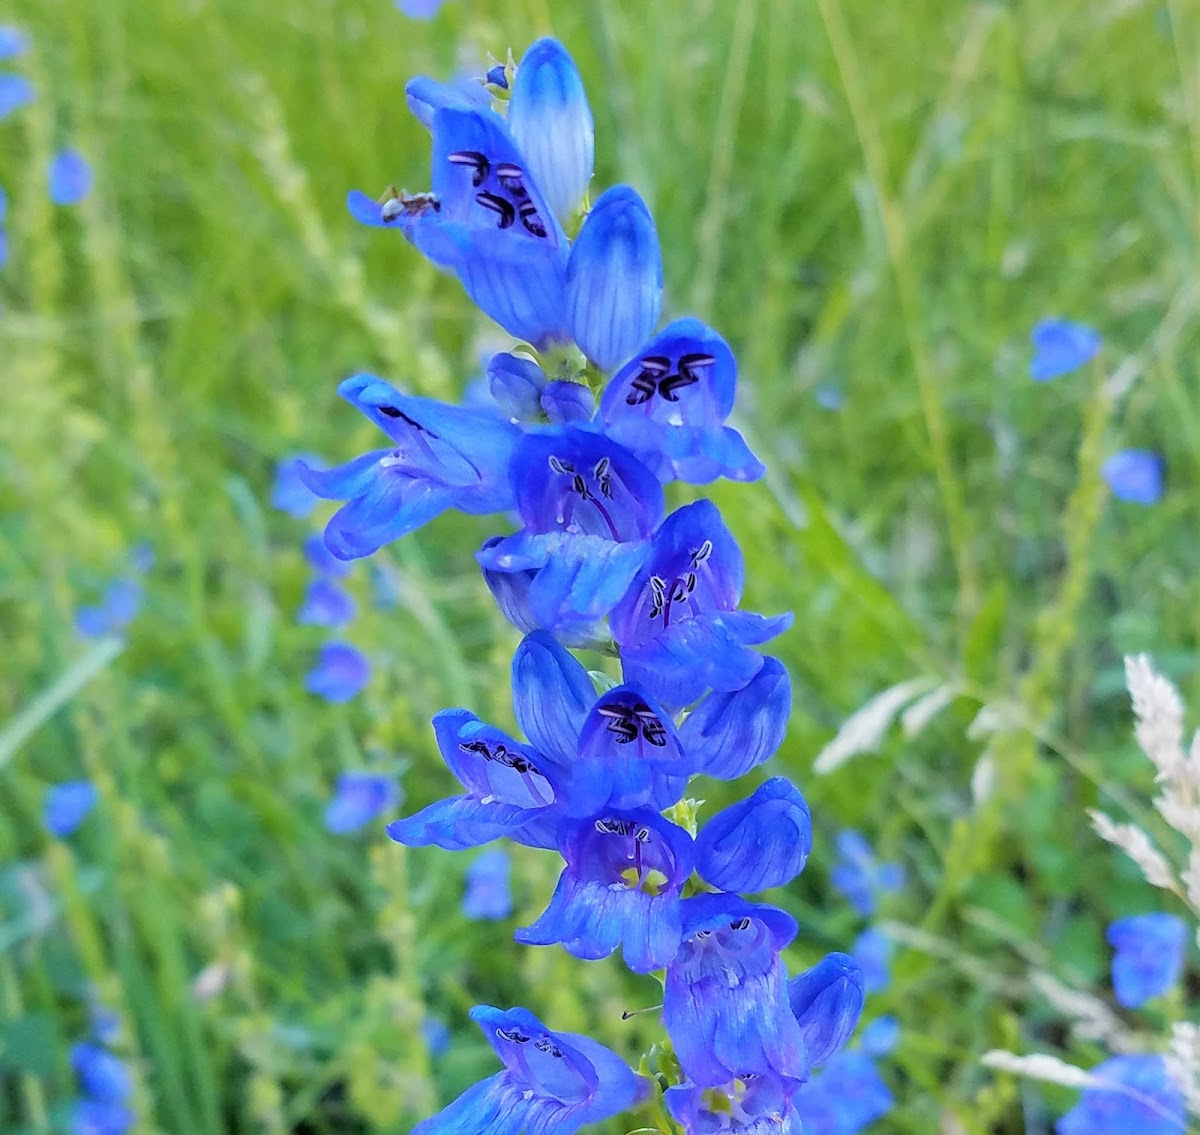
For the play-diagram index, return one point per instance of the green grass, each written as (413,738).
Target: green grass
(886,196)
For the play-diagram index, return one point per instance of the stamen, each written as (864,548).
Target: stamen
(740,924)
(480,166)
(496,204)
(560,466)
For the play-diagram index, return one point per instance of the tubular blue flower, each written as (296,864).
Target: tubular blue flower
(486,222)
(873,953)
(1148,957)
(1059,347)
(96,1117)
(69,178)
(859,876)
(289,492)
(67,805)
(614,278)
(101,1075)
(444,457)
(325,605)
(516,383)
(678,625)
(13,42)
(15,92)
(322,560)
(728,734)
(669,404)
(589,507)
(512,789)
(357,799)
(880,1037)
(340,674)
(120,605)
(755,1104)
(620,887)
(563,402)
(845,1097)
(1139,1096)
(550,120)
(758,843)
(552,1083)
(629,757)
(827,1002)
(1135,475)
(488,894)
(725,1000)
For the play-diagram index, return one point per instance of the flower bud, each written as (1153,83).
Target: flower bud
(565,402)
(827,1001)
(614,278)
(516,384)
(551,121)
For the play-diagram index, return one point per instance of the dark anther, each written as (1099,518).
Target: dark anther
(580,486)
(670,386)
(626,722)
(689,364)
(499,206)
(396,412)
(740,924)
(479,748)
(511,178)
(702,934)
(530,219)
(642,835)
(514,1035)
(658,587)
(560,466)
(701,554)
(646,379)
(478,163)
(614,827)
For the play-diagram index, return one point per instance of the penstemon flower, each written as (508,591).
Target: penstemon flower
(602,773)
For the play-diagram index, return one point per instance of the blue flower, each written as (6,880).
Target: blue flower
(67,805)
(758,843)
(859,876)
(323,561)
(497,76)
(620,887)
(340,673)
(1148,958)
(101,1075)
(552,1083)
(827,1001)
(95,1117)
(511,787)
(69,178)
(121,602)
(845,1097)
(15,92)
(589,507)
(420,9)
(670,402)
(728,734)
(436,1034)
(614,278)
(725,999)
(873,952)
(488,892)
(1139,1097)
(755,1104)
(289,493)
(357,799)
(1059,347)
(325,605)
(444,457)
(516,383)
(551,122)
(13,42)
(880,1037)
(1135,475)
(486,222)
(678,625)
(629,756)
